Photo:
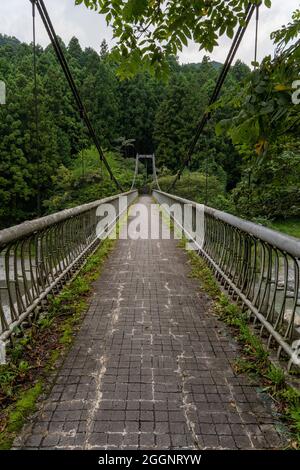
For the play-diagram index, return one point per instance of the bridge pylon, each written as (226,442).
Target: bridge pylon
(137,160)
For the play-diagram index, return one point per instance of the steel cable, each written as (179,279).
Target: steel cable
(62,60)
(36,109)
(222,77)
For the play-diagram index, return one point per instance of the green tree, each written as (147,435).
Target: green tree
(104,50)
(264,107)
(74,49)
(100,92)
(186,99)
(139,102)
(271,188)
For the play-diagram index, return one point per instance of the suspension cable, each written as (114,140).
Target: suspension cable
(36,109)
(135,171)
(255,68)
(220,82)
(65,67)
(155,172)
(256,34)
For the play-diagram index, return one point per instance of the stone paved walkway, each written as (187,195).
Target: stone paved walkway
(151,366)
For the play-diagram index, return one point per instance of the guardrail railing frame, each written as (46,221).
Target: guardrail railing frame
(245,258)
(56,247)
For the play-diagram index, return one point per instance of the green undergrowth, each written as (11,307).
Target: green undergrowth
(17,414)
(290,226)
(36,350)
(254,359)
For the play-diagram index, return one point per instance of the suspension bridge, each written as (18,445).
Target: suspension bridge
(152,366)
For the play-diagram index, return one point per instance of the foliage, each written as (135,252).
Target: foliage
(143,114)
(86,180)
(139,100)
(29,162)
(149,31)
(264,127)
(254,154)
(186,98)
(283,36)
(124,146)
(192,185)
(290,226)
(27,158)
(21,410)
(266,110)
(271,188)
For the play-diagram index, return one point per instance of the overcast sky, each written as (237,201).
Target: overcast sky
(90,28)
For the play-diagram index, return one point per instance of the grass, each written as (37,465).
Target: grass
(290,227)
(18,413)
(36,352)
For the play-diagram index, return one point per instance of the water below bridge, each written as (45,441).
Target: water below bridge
(152,366)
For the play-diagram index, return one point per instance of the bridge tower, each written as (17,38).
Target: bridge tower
(137,160)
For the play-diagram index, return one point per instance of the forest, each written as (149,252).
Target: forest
(247,162)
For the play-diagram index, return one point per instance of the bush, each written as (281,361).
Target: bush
(274,191)
(86,181)
(192,186)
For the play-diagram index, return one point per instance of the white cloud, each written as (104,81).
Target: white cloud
(90,28)
(68,20)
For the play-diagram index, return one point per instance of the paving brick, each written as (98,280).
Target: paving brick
(131,439)
(227,442)
(242,442)
(147,440)
(163,441)
(211,441)
(98,439)
(51,440)
(132,426)
(115,440)
(34,440)
(223,429)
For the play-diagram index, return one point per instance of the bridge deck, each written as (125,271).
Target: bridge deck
(151,366)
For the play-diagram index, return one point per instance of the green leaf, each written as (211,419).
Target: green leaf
(230,32)
(134,9)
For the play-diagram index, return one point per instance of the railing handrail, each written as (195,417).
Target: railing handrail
(41,255)
(286,243)
(11,234)
(254,264)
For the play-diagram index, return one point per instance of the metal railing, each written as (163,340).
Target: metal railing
(37,257)
(256,265)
